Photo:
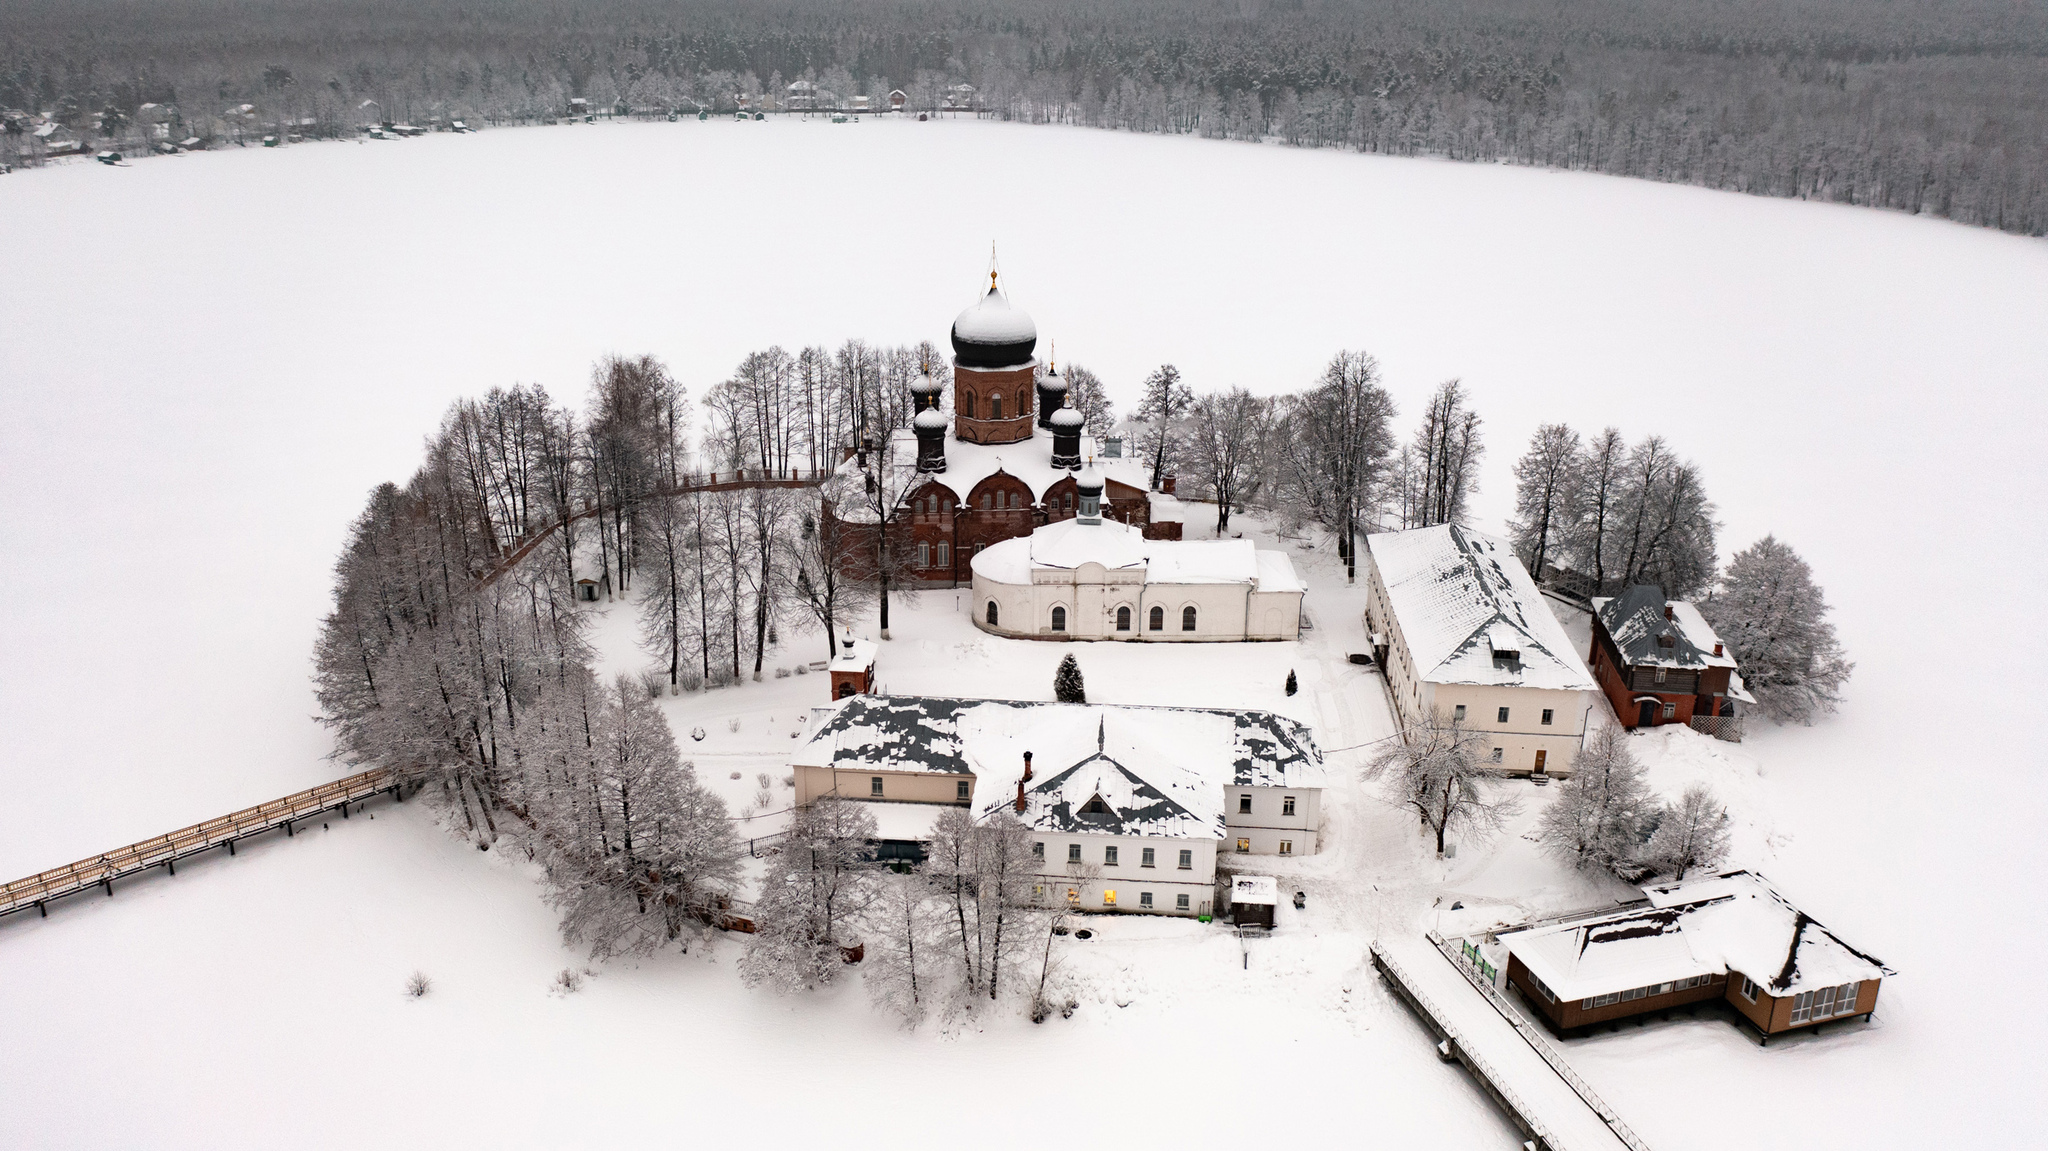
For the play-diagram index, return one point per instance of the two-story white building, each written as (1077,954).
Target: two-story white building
(1129,807)
(1460,629)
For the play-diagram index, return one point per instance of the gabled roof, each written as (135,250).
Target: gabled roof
(1734,922)
(1457,595)
(1175,804)
(1635,620)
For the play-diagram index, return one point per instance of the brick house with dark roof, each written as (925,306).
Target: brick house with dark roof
(1658,661)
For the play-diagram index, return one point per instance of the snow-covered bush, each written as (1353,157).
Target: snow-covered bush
(417,984)
(568,981)
(781,673)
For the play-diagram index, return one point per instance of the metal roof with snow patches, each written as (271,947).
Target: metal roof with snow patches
(1459,597)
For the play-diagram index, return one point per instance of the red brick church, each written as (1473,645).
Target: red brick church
(1003,464)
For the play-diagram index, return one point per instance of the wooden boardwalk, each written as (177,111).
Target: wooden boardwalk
(103,870)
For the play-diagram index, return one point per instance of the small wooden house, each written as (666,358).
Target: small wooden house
(592,589)
(1252,899)
(897,99)
(1659,662)
(1729,938)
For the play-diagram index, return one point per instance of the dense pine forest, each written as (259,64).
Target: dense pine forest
(1935,106)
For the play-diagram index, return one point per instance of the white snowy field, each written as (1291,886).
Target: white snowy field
(207,361)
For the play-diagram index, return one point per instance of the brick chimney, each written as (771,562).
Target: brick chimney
(1717,649)
(1667,611)
(1166,484)
(1020,797)
(1027,760)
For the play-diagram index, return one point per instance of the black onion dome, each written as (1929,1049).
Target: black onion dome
(992,334)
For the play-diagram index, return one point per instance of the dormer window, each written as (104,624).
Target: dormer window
(1095,806)
(1667,640)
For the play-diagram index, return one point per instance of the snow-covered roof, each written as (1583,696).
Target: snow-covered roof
(1101,796)
(994,320)
(968,464)
(1257,889)
(1457,594)
(1159,753)
(1635,620)
(1732,922)
(1067,544)
(854,655)
(907,822)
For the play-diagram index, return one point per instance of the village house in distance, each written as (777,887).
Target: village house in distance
(1659,662)
(1128,806)
(1458,627)
(1728,937)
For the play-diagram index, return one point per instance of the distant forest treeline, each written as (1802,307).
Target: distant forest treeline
(1937,106)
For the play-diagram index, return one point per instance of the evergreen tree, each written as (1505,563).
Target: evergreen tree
(1292,687)
(1066,682)
(1773,618)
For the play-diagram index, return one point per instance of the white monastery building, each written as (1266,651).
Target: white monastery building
(1459,628)
(1084,578)
(1128,807)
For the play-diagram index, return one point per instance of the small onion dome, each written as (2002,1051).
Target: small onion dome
(929,420)
(1067,418)
(1053,381)
(924,385)
(992,334)
(1088,479)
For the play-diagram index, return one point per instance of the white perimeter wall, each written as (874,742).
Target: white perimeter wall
(1091,596)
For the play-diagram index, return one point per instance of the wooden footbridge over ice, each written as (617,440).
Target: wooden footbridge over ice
(37,891)
(1476,1026)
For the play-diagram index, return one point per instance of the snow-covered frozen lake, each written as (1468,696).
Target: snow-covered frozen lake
(207,361)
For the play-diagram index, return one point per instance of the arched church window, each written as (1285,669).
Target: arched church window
(1123,619)
(1059,619)
(1187,619)
(995,406)
(991,613)
(1157,622)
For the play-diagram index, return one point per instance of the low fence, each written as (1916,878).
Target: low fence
(1727,727)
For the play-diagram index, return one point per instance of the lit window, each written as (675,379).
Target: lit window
(1180,903)
(1187,860)
(960,790)
(875,785)
(1073,897)
(1109,856)
(1546,711)
(1109,899)
(1073,853)
(1244,804)
(1244,847)
(1145,900)
(1287,847)
(1503,716)
(1145,858)
(1287,805)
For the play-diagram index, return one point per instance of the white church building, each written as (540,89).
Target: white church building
(1087,578)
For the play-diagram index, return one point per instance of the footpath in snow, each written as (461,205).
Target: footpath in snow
(1518,1069)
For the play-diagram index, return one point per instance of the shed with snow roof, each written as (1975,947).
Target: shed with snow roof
(1252,900)
(1461,632)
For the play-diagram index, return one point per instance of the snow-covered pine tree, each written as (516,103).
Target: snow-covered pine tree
(1692,836)
(1066,682)
(1600,813)
(818,887)
(1773,618)
(1292,685)
(1435,773)
(1546,496)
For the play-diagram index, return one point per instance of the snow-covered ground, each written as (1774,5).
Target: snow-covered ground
(207,361)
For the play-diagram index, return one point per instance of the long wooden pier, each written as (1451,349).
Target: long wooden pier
(107,868)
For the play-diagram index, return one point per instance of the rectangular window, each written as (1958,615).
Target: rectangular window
(1845,998)
(875,785)
(924,554)
(1659,677)
(1180,903)
(1496,755)
(1547,713)
(1287,847)
(1073,853)
(960,791)
(1145,900)
(1670,710)
(1145,858)
(1244,804)
(1244,847)
(1802,1006)
(1287,805)
(1458,714)
(1109,857)
(1038,850)
(945,554)
(1503,715)
(1748,989)
(1109,899)
(1187,860)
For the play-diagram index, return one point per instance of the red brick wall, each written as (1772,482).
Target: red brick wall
(972,388)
